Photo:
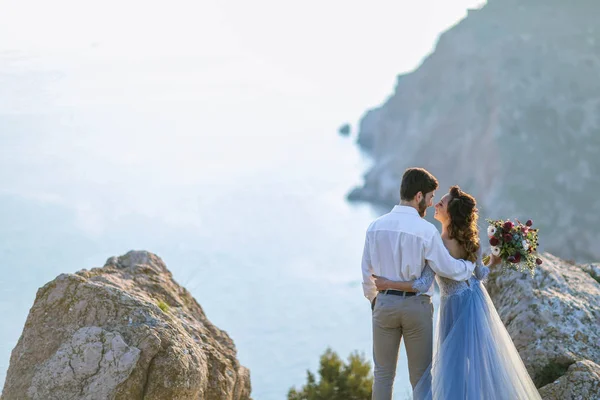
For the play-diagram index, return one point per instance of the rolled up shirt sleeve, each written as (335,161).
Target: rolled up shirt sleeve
(443,264)
(369,288)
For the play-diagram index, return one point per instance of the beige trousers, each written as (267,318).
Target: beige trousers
(394,317)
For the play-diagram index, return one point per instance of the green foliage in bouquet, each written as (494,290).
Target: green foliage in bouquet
(339,381)
(515,243)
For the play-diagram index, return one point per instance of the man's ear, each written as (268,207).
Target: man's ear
(419,197)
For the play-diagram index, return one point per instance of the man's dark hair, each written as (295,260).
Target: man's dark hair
(417,180)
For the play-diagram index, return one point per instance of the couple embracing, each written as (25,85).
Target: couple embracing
(473,356)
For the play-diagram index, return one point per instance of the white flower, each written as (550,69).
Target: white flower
(491,231)
(496,250)
(525,244)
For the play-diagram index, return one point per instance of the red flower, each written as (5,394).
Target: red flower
(524,229)
(529,222)
(508,225)
(507,237)
(538,261)
(511,259)
(517,258)
(494,241)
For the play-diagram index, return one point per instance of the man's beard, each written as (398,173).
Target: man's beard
(422,208)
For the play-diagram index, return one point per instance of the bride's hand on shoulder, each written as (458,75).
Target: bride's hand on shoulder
(381,283)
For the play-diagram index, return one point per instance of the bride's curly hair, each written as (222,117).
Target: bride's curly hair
(462,209)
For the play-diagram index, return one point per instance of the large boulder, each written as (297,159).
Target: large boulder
(125,331)
(553,319)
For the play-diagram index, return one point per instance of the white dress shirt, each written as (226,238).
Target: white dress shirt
(400,243)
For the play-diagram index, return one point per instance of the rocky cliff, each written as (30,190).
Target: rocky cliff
(508,107)
(554,319)
(125,331)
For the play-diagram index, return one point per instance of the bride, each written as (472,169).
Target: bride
(474,356)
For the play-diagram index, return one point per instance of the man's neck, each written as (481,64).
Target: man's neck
(408,204)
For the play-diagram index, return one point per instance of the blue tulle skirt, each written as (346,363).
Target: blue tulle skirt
(474,357)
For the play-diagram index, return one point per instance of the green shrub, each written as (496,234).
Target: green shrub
(338,380)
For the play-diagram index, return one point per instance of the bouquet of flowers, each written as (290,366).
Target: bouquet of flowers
(515,243)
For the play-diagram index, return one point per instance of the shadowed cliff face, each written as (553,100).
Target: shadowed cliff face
(508,107)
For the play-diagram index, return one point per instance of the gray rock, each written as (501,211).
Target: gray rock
(593,270)
(553,319)
(581,382)
(125,331)
(91,364)
(344,130)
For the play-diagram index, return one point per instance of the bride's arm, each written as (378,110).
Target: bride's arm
(384,284)
(420,285)
(482,269)
(423,283)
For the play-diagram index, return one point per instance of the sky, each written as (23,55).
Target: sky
(180,81)
(314,47)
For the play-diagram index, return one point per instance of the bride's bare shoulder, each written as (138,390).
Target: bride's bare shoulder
(454,248)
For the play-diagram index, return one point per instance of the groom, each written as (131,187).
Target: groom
(397,247)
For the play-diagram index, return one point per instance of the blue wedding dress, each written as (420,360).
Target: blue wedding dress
(474,357)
